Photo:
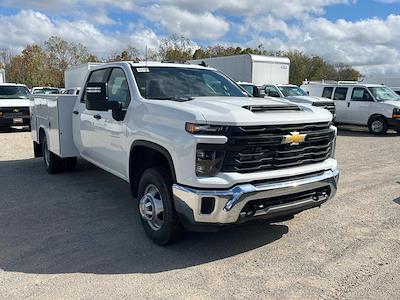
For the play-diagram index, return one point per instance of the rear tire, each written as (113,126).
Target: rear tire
(378,126)
(53,163)
(157,212)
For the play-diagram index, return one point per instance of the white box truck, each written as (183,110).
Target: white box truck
(74,76)
(2,76)
(257,69)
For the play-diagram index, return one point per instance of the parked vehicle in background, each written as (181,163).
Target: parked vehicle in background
(75,75)
(251,89)
(257,69)
(14,105)
(198,151)
(295,94)
(45,90)
(373,105)
(2,76)
(396,90)
(73,91)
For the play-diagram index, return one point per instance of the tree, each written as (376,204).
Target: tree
(129,54)
(63,54)
(176,48)
(30,67)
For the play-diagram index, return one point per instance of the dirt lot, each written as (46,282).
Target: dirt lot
(78,235)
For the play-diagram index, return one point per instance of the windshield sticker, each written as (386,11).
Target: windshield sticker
(142,70)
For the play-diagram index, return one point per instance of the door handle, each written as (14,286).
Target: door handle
(348,104)
(75,112)
(97,117)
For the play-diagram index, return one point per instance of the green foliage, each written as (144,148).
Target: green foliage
(129,54)
(45,65)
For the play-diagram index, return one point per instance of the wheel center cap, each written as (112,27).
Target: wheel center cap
(146,207)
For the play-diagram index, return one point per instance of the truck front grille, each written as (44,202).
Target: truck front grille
(14,111)
(261,148)
(327,105)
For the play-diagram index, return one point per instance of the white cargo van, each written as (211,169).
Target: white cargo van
(374,105)
(257,69)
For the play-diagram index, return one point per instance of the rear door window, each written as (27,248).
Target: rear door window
(340,93)
(97,76)
(327,92)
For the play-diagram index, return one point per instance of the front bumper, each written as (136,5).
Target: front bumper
(246,202)
(6,121)
(394,123)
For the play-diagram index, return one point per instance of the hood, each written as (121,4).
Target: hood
(308,99)
(242,111)
(14,102)
(393,103)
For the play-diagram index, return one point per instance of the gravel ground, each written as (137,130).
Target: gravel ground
(78,235)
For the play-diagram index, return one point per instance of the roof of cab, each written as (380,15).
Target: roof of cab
(143,64)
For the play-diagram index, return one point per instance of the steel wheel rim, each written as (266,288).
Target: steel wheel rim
(46,154)
(377,126)
(151,207)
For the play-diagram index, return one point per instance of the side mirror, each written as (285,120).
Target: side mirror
(261,93)
(96,96)
(97,99)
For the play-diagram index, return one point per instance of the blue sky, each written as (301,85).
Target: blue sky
(363,33)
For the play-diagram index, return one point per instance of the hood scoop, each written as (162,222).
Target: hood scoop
(265,108)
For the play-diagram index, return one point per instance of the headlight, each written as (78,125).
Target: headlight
(208,162)
(396,113)
(204,128)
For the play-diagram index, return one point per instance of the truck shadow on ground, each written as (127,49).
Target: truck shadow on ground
(361,131)
(397,200)
(86,221)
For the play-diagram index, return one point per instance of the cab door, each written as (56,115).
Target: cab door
(111,151)
(85,137)
(340,98)
(359,106)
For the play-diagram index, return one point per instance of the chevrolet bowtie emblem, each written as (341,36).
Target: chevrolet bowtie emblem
(294,138)
(15,110)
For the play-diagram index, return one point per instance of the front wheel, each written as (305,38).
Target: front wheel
(157,212)
(378,126)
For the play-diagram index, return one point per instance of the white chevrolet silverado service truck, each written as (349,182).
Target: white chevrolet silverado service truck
(198,152)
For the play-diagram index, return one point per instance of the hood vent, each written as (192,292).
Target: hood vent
(264,108)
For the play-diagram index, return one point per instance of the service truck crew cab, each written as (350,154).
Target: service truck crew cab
(198,152)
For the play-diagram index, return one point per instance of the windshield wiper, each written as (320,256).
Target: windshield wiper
(176,98)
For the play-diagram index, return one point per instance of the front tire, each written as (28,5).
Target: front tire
(157,212)
(378,126)
(53,163)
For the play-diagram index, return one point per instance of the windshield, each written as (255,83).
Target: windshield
(383,93)
(292,91)
(14,92)
(168,83)
(46,91)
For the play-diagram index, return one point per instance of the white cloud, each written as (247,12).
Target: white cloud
(198,26)
(29,27)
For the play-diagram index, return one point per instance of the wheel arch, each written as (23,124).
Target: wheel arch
(375,116)
(143,150)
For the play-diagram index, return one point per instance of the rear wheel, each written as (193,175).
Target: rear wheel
(157,212)
(378,126)
(53,163)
